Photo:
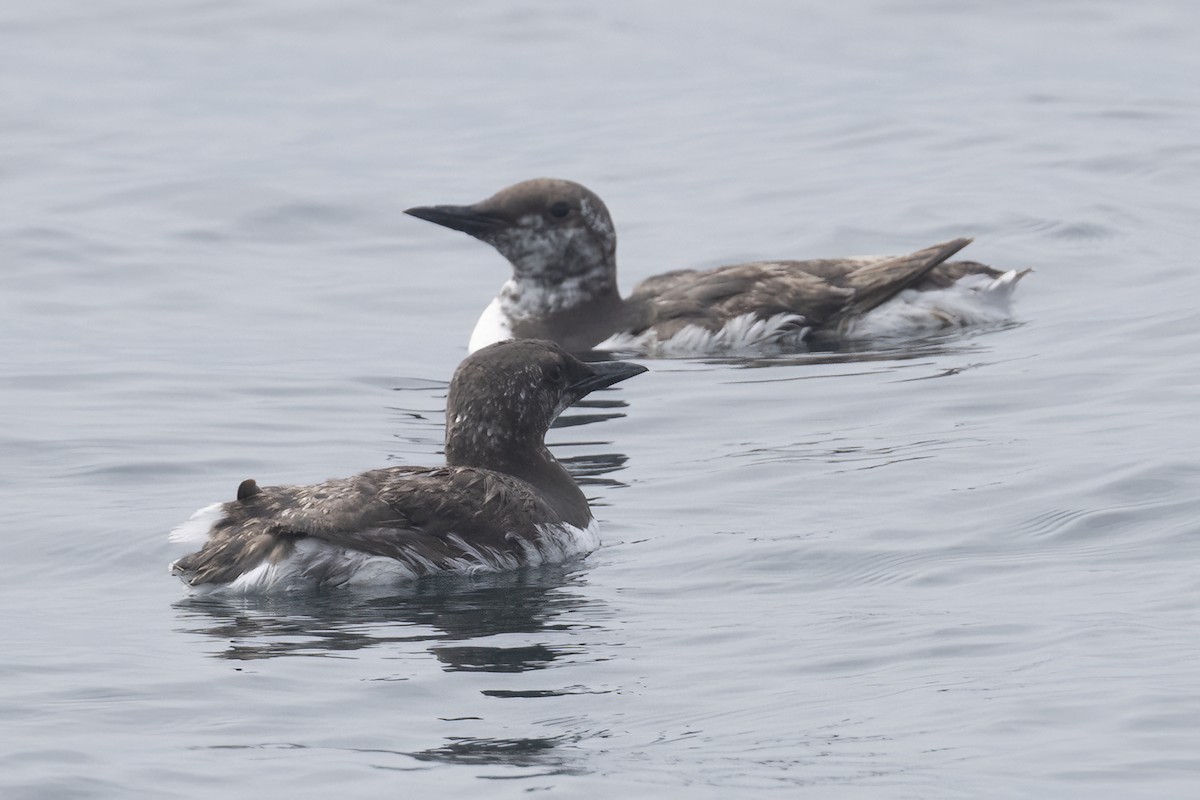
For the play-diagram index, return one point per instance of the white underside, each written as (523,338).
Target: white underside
(492,327)
(973,300)
(313,562)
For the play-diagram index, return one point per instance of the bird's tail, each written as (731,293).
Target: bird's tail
(1000,290)
(234,541)
(878,281)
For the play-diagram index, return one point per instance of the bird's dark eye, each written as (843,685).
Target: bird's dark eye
(560,209)
(555,374)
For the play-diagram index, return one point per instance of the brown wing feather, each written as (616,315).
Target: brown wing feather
(710,299)
(404,513)
(823,291)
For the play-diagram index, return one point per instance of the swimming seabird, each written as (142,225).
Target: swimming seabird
(501,500)
(560,240)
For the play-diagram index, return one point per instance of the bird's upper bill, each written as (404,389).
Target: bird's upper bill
(605,373)
(467,219)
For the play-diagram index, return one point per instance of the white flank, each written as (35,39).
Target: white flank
(492,327)
(314,562)
(973,300)
(563,542)
(745,335)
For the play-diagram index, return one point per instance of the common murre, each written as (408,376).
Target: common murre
(501,501)
(561,242)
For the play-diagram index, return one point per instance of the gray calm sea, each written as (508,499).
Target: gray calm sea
(965,567)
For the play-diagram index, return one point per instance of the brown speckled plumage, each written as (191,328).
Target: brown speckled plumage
(823,292)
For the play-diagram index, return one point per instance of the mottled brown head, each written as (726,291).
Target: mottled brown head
(504,397)
(550,230)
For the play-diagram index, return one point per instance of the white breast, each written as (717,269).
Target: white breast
(492,327)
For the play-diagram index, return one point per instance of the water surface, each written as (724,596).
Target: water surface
(960,567)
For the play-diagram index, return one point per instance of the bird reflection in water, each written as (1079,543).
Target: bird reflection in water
(542,753)
(438,609)
(442,614)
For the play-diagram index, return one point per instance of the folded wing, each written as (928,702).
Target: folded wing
(428,519)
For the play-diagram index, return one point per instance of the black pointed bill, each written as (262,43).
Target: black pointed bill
(460,218)
(605,373)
